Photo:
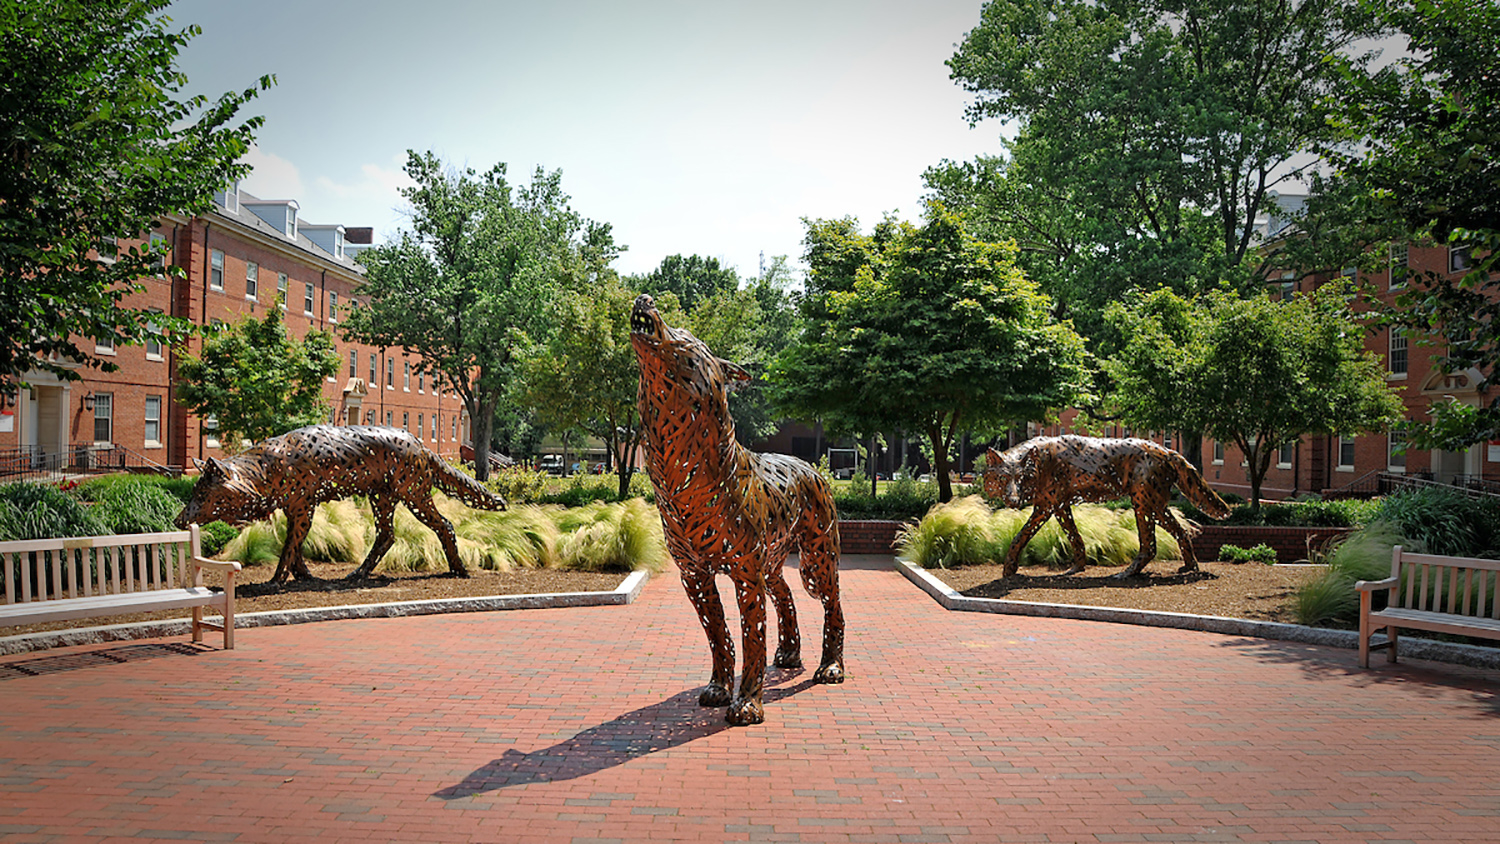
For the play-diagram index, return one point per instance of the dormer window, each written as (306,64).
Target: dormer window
(229,197)
(338,243)
(280,214)
(290,229)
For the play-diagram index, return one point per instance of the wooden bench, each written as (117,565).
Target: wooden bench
(87,576)
(1457,595)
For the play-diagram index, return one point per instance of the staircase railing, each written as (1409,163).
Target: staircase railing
(32,463)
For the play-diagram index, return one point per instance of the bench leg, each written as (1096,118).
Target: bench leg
(197,624)
(228,610)
(1364,630)
(1390,648)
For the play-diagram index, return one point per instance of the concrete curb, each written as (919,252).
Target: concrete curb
(1412,647)
(628,590)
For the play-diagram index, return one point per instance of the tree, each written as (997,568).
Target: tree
(95,146)
(1255,372)
(1151,134)
(474,278)
(1424,134)
(691,279)
(256,380)
(585,376)
(925,329)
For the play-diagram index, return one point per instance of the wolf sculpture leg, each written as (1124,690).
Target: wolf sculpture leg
(383,505)
(1080,554)
(819,566)
(747,707)
(1039,515)
(704,595)
(788,638)
(298,521)
(427,513)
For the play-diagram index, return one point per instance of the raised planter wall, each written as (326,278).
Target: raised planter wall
(871,537)
(1290,543)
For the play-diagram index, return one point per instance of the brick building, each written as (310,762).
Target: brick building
(1319,464)
(240,258)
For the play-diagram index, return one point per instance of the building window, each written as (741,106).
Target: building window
(1166,439)
(406,421)
(1346,453)
(104,415)
(333,306)
(281,289)
(433,437)
(420,380)
(1218,453)
(370,417)
(307,299)
(390,373)
(109,250)
(420,426)
(1398,356)
(1284,456)
(1460,259)
(1395,451)
(211,431)
(388,417)
(104,346)
(406,378)
(374,370)
(290,228)
(1400,261)
(216,269)
(353,361)
(159,251)
(252,279)
(454,435)
(153,421)
(153,344)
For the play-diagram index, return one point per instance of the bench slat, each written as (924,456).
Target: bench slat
(37,612)
(1440,622)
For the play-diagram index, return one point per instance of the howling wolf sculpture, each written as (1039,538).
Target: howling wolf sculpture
(301,469)
(1054,473)
(727,509)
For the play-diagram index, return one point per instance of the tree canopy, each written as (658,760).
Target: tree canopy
(691,279)
(256,380)
(1151,134)
(473,278)
(1255,372)
(1423,133)
(97,142)
(924,329)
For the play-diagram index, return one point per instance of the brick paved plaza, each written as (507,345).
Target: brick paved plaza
(581,725)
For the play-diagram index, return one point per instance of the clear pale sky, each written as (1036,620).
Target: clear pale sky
(692,127)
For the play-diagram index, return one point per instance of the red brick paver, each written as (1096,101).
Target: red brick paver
(581,725)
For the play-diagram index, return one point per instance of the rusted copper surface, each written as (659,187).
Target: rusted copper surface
(727,509)
(301,469)
(1054,473)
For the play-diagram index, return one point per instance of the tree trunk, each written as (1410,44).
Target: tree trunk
(482,428)
(940,463)
(1192,442)
(873,472)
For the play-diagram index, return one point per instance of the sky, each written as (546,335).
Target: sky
(692,127)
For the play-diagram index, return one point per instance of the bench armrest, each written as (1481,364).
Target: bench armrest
(1372,585)
(217,565)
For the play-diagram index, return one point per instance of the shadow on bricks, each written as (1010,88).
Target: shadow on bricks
(94,659)
(661,726)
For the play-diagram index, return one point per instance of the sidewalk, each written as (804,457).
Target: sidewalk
(581,725)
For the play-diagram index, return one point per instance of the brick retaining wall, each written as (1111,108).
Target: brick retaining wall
(1290,543)
(870,537)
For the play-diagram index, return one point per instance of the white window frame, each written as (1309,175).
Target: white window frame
(152,415)
(333,306)
(1289,451)
(1398,342)
(159,263)
(216,269)
(353,362)
(1392,440)
(308,299)
(153,346)
(1460,259)
(1338,457)
(104,415)
(104,346)
(390,373)
(1400,265)
(420,425)
(211,431)
(281,289)
(374,370)
(1218,459)
(108,250)
(406,376)
(252,281)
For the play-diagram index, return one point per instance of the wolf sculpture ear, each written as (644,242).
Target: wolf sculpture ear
(734,374)
(991,457)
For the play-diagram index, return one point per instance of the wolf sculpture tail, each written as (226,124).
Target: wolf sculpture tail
(463,487)
(1195,490)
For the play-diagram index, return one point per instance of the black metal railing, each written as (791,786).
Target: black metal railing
(1381,482)
(33,463)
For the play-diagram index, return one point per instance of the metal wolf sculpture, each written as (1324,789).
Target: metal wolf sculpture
(1053,473)
(301,469)
(727,509)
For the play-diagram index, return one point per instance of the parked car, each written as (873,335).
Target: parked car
(552,464)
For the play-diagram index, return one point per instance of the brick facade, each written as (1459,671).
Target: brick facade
(313,266)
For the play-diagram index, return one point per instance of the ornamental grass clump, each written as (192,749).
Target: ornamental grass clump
(522,537)
(42,511)
(1330,600)
(614,537)
(966,531)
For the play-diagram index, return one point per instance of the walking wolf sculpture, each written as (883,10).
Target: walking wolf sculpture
(301,469)
(1053,473)
(727,509)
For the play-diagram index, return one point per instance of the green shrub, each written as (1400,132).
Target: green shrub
(215,535)
(1444,520)
(1309,513)
(1261,553)
(43,511)
(902,500)
(1330,599)
(102,487)
(582,490)
(136,508)
(518,484)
